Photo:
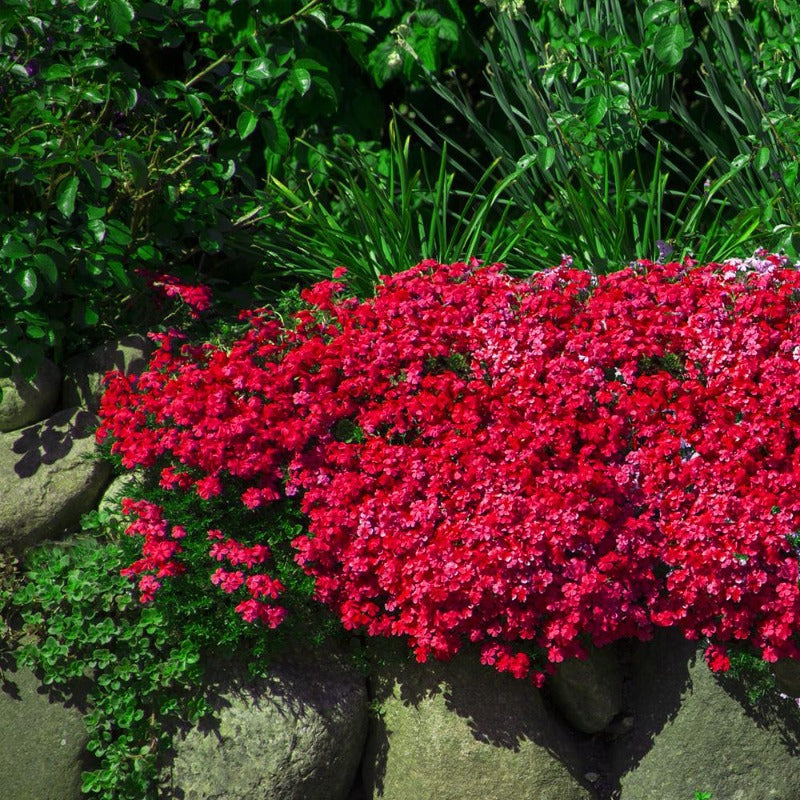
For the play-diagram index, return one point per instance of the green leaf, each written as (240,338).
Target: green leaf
(246,124)
(120,16)
(27,282)
(97,228)
(56,72)
(349,7)
(740,161)
(14,248)
(67,192)
(195,105)
(595,109)
(658,10)
(260,70)
(547,157)
(301,79)
(46,266)
(669,44)
(762,158)
(118,232)
(448,30)
(425,46)
(138,168)
(92,174)
(275,135)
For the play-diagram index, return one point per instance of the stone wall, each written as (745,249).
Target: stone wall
(636,721)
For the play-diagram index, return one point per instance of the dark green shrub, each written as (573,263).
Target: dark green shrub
(141,134)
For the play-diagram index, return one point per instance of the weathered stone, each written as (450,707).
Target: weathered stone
(110,503)
(589,692)
(462,731)
(298,734)
(83,374)
(48,478)
(695,731)
(43,741)
(23,401)
(787,676)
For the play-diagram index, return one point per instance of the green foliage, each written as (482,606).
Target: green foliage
(80,621)
(595,98)
(752,673)
(386,217)
(140,135)
(749,74)
(201,610)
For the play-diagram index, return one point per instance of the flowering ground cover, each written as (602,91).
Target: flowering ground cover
(531,465)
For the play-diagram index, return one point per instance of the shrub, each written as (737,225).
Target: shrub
(138,134)
(529,465)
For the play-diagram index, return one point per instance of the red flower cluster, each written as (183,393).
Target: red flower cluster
(196,297)
(528,465)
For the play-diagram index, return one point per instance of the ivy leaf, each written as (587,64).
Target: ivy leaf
(67,192)
(120,16)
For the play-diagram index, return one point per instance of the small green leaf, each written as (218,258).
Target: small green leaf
(762,158)
(246,124)
(27,282)
(658,10)
(92,174)
(595,109)
(301,79)
(14,248)
(120,16)
(448,30)
(669,44)
(547,157)
(67,192)
(275,135)
(740,161)
(46,266)
(56,72)
(195,106)
(97,228)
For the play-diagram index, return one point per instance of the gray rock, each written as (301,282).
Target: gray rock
(588,693)
(462,731)
(694,731)
(110,502)
(297,735)
(48,478)
(83,374)
(23,401)
(43,741)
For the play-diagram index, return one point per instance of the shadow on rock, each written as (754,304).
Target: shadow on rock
(298,733)
(49,441)
(459,729)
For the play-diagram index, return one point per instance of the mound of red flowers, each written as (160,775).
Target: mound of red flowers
(532,466)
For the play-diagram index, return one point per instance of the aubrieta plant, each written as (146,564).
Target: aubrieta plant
(533,466)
